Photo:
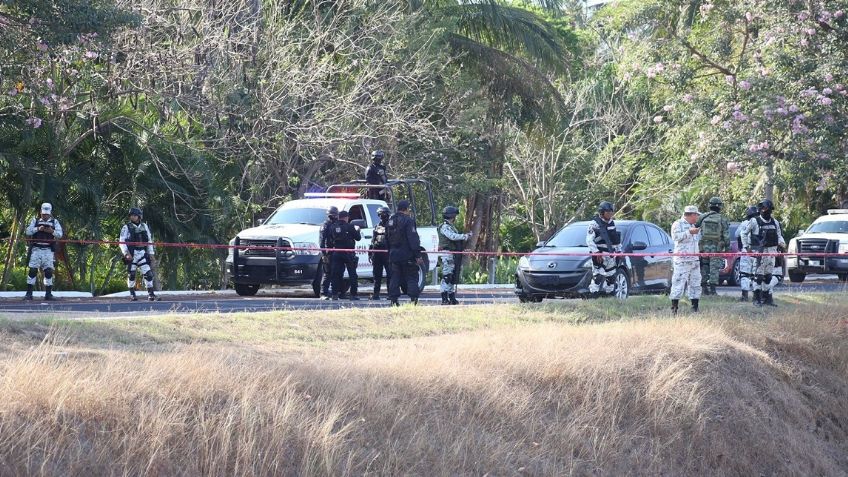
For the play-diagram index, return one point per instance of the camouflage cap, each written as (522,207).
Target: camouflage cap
(691,209)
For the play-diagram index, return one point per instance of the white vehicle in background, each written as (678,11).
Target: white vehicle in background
(827,234)
(283,250)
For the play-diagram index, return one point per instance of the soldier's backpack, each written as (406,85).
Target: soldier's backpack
(711,228)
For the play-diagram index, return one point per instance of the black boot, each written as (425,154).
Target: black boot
(758,298)
(28,296)
(48,294)
(414,301)
(445,298)
(695,302)
(768,299)
(744,296)
(374,297)
(394,302)
(132,295)
(354,297)
(713,290)
(674,304)
(452,299)
(150,295)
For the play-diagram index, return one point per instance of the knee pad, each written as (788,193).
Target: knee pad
(148,276)
(131,275)
(33,272)
(598,279)
(48,273)
(758,279)
(767,278)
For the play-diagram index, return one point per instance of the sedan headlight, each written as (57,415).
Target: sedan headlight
(843,247)
(523,263)
(587,264)
(306,245)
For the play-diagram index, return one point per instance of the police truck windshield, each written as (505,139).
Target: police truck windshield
(298,216)
(829,227)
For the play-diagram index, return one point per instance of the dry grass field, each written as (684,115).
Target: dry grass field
(561,388)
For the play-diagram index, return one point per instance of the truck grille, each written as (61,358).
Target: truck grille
(270,252)
(817,246)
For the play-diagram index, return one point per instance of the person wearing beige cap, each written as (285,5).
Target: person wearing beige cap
(42,233)
(687,268)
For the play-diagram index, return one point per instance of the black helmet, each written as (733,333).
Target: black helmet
(136,211)
(383,212)
(378,155)
(765,204)
(333,211)
(751,212)
(605,207)
(450,212)
(716,204)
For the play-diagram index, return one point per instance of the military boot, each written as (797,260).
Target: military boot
(150,295)
(768,299)
(452,299)
(48,294)
(695,302)
(28,296)
(132,295)
(744,296)
(394,302)
(354,297)
(713,290)
(758,300)
(674,304)
(414,301)
(445,298)
(374,297)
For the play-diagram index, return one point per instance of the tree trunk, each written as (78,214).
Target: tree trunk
(10,255)
(768,187)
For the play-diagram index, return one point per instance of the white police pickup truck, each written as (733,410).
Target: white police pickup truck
(827,234)
(284,249)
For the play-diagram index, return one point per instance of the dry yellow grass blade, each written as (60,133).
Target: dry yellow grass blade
(572,388)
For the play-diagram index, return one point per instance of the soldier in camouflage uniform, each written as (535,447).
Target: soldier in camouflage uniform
(450,240)
(715,238)
(42,233)
(687,271)
(603,237)
(746,262)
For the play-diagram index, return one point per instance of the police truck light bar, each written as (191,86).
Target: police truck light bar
(334,195)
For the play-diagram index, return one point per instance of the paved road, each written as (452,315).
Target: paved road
(288,301)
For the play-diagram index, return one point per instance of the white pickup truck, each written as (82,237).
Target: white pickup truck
(827,234)
(295,225)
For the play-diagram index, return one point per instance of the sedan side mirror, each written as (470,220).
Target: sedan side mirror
(639,246)
(359,223)
(540,244)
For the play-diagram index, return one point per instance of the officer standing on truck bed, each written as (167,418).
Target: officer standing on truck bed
(404,253)
(376,174)
(325,241)
(344,236)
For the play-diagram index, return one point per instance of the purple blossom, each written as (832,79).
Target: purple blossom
(706,8)
(13,92)
(44,100)
(827,91)
(838,14)
(839,86)
(41,46)
(688,98)
(828,77)
(824,16)
(782,111)
(729,79)
(739,116)
(727,126)
(91,55)
(804,42)
(715,120)
(745,85)
(793,108)
(810,31)
(749,16)
(825,101)
(34,122)
(803,16)
(668,108)
(658,119)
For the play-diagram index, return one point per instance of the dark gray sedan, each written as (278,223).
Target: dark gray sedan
(549,276)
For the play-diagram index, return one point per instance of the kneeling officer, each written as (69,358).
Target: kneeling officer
(344,236)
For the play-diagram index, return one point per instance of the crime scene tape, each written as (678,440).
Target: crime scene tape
(445,252)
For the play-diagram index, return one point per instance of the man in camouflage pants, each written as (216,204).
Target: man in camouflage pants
(687,271)
(715,238)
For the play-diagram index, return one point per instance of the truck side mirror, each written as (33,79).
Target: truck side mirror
(359,223)
(801,232)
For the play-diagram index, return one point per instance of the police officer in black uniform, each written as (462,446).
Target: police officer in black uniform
(380,260)
(325,240)
(375,174)
(344,236)
(404,253)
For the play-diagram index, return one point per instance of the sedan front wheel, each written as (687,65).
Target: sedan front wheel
(622,285)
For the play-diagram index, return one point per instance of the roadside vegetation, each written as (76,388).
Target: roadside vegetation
(571,387)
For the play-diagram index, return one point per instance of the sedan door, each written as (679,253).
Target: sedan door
(660,243)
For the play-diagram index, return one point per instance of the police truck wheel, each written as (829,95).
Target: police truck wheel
(422,275)
(796,277)
(245,289)
(735,275)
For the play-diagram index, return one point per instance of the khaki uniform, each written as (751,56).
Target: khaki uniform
(687,269)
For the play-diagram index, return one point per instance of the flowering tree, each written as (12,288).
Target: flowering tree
(744,87)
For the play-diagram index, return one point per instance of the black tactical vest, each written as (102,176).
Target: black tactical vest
(137,233)
(44,239)
(768,233)
(342,234)
(613,234)
(379,240)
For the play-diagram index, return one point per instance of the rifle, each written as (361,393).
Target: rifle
(598,261)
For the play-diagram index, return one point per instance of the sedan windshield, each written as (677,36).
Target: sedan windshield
(830,227)
(298,216)
(571,236)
